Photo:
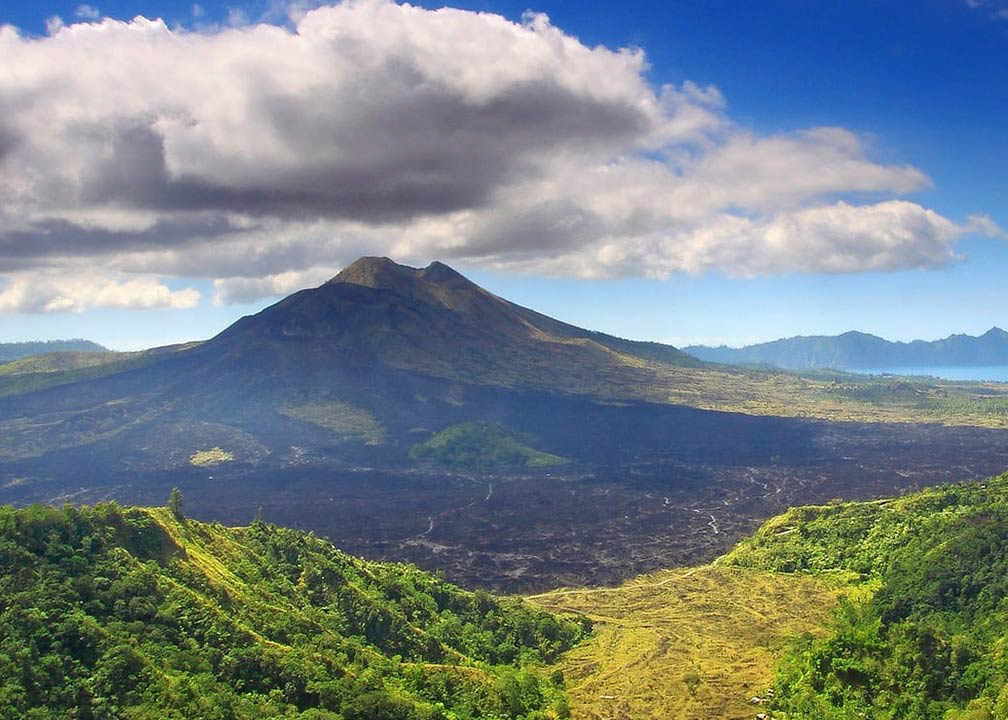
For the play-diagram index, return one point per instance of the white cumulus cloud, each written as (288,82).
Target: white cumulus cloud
(262,156)
(50,292)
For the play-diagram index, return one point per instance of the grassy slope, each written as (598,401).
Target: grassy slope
(833,396)
(483,446)
(39,372)
(26,381)
(59,361)
(343,419)
(17,350)
(136,614)
(693,643)
(722,628)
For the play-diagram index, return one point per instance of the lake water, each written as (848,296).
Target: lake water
(981,373)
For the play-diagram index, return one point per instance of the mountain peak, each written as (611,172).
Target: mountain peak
(857,334)
(375,272)
(437,283)
(439,272)
(381,272)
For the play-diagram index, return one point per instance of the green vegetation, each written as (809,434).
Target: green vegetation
(108,612)
(483,446)
(38,372)
(209,458)
(833,395)
(18,350)
(985,403)
(16,378)
(891,610)
(928,640)
(175,504)
(59,361)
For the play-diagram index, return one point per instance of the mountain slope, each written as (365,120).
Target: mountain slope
(17,350)
(855,350)
(435,322)
(135,613)
(363,360)
(59,362)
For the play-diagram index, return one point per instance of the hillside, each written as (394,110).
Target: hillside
(18,350)
(57,362)
(40,372)
(928,641)
(136,613)
(435,322)
(856,350)
(893,608)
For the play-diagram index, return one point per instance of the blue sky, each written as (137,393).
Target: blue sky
(919,83)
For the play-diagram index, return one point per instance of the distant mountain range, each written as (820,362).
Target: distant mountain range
(18,350)
(857,350)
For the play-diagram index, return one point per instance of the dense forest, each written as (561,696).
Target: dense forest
(111,612)
(926,637)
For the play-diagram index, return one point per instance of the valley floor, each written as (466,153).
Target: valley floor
(690,644)
(707,483)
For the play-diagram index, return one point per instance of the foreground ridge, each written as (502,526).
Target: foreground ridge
(136,612)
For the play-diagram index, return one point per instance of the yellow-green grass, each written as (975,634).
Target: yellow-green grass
(720,629)
(832,396)
(60,361)
(342,418)
(211,457)
(213,550)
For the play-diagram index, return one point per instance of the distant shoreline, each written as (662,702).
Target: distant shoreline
(974,373)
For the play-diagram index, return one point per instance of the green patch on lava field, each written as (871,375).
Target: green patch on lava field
(483,446)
